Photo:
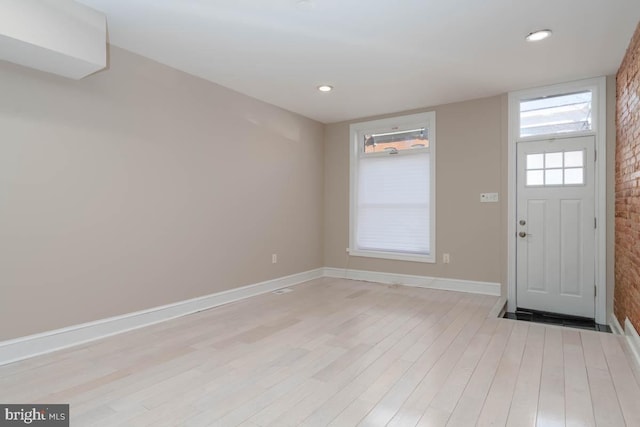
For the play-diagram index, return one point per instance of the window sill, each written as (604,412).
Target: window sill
(393,256)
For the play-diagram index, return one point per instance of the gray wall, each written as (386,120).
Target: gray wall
(471,158)
(142,185)
(469,161)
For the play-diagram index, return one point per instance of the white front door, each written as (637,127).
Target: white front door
(556,226)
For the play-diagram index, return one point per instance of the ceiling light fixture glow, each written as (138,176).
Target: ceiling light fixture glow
(537,36)
(325,88)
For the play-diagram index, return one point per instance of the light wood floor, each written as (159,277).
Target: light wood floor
(339,353)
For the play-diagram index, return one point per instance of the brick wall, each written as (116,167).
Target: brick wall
(627,255)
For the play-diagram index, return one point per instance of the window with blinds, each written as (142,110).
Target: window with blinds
(392,188)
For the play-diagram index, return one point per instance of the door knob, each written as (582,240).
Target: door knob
(522,234)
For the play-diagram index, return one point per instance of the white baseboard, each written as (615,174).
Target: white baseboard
(47,342)
(499,308)
(485,288)
(615,326)
(631,336)
(633,339)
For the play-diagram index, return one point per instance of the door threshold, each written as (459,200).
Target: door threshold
(544,317)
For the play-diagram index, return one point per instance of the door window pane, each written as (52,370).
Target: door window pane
(555,168)
(535,161)
(574,176)
(553,177)
(573,159)
(535,177)
(553,160)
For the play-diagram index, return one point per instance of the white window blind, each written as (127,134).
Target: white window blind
(392,183)
(393,203)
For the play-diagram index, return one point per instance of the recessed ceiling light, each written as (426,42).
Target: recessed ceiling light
(536,36)
(325,88)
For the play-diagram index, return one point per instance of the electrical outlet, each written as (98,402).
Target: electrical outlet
(446,259)
(274,258)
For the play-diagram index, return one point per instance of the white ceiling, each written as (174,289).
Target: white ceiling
(382,56)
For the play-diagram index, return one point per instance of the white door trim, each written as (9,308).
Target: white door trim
(598,85)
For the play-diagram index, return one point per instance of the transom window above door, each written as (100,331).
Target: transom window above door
(558,114)
(555,168)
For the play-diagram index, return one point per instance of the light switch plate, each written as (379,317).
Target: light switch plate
(489,198)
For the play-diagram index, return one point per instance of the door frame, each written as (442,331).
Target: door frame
(598,86)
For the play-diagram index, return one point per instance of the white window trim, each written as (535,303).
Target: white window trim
(378,126)
(598,86)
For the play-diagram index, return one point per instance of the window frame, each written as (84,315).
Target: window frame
(556,90)
(356,151)
(544,94)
